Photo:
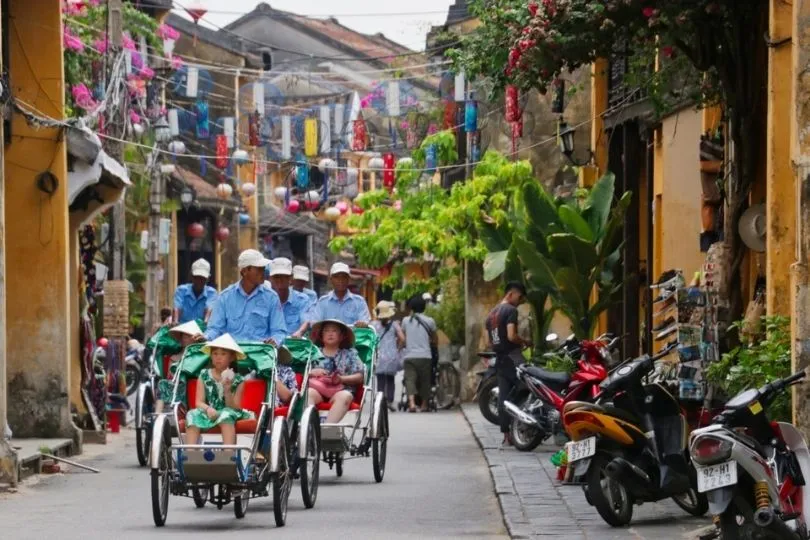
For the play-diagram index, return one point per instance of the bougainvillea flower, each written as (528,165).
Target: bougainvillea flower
(73,7)
(165,31)
(134,117)
(100,45)
(82,97)
(648,12)
(146,72)
(71,41)
(127,42)
(177,62)
(137,61)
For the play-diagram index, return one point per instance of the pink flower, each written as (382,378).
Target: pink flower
(134,117)
(365,103)
(648,12)
(668,51)
(128,43)
(100,45)
(95,3)
(165,31)
(73,7)
(147,73)
(404,124)
(137,61)
(177,62)
(82,97)
(72,41)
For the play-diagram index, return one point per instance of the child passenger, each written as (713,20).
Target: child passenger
(184,334)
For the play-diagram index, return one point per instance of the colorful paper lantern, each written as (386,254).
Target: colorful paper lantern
(376,163)
(470,116)
(302,173)
(351,191)
(254,128)
(332,214)
(388,171)
(248,189)
(311,137)
(312,199)
(224,191)
(359,135)
(177,147)
(222,233)
(240,157)
(293,206)
(431,156)
(221,145)
(405,162)
(342,207)
(244,218)
(195,230)
(201,111)
(512,104)
(280,192)
(327,165)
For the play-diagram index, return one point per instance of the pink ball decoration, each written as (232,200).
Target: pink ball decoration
(102,342)
(293,206)
(342,207)
(222,233)
(195,230)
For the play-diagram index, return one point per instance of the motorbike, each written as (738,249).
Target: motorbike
(752,470)
(536,408)
(135,367)
(630,445)
(486,393)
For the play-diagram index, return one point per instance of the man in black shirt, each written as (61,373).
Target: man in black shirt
(502,330)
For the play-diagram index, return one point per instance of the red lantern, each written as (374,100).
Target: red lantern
(388,170)
(102,342)
(512,105)
(222,152)
(450,115)
(293,206)
(359,135)
(195,230)
(254,122)
(222,233)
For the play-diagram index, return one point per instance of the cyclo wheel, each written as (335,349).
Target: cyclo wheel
(200,496)
(282,476)
(379,446)
(144,405)
(161,478)
(339,465)
(309,467)
(240,504)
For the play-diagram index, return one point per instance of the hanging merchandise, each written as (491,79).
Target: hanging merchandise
(431,158)
(195,230)
(517,133)
(342,207)
(512,104)
(224,191)
(411,137)
(470,116)
(392,133)
(222,233)
(87,245)
(240,157)
(340,121)
(475,150)
(280,192)
(311,137)
(221,148)
(392,98)
(201,111)
(359,135)
(244,218)
(286,141)
(174,123)
(228,130)
(192,81)
(332,214)
(293,206)
(449,115)
(388,171)
(248,189)
(254,126)
(326,129)
(258,98)
(460,87)
(203,167)
(301,172)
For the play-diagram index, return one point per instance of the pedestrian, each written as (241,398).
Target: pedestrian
(300,282)
(340,303)
(420,334)
(294,304)
(502,330)
(193,301)
(390,338)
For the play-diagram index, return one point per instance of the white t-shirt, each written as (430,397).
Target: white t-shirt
(417,339)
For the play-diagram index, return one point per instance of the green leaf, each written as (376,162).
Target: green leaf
(494,264)
(495,238)
(540,271)
(539,208)
(597,206)
(573,251)
(575,290)
(574,223)
(513,270)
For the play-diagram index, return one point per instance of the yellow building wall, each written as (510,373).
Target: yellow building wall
(678,194)
(37,246)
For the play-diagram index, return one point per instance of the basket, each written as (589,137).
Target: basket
(116,308)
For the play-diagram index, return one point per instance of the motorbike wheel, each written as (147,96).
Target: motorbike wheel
(132,373)
(488,400)
(525,438)
(615,507)
(692,502)
(736,522)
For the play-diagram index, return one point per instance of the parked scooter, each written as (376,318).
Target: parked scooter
(536,409)
(486,394)
(135,368)
(754,471)
(630,445)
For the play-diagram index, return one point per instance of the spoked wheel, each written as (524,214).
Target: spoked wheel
(143,431)
(240,504)
(448,386)
(282,477)
(200,496)
(379,446)
(692,502)
(611,499)
(161,479)
(309,467)
(525,438)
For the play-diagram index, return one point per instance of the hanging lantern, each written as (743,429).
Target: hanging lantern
(431,158)
(248,189)
(293,206)
(475,149)
(388,171)
(449,115)
(342,207)
(357,210)
(376,163)
(359,135)
(240,157)
(312,200)
(512,104)
(201,110)
(351,191)
(311,137)
(332,214)
(221,152)
(470,116)
(280,192)
(244,218)
(302,174)
(222,233)
(405,162)
(254,127)
(197,12)
(352,174)
(177,147)
(327,165)
(195,230)
(224,191)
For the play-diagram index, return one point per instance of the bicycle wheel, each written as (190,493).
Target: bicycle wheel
(448,386)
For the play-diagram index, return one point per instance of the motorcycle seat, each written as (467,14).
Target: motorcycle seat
(621,414)
(556,378)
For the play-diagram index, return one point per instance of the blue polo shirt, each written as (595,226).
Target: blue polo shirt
(312,295)
(295,308)
(247,317)
(351,309)
(191,306)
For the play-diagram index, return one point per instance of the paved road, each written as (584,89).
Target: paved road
(437,485)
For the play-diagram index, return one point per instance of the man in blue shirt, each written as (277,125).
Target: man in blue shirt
(248,310)
(193,301)
(294,304)
(300,281)
(340,303)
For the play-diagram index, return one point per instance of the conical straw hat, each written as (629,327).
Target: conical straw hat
(191,328)
(225,341)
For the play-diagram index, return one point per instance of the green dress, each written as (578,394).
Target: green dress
(215,397)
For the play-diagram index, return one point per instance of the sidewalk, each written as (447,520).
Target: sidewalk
(535,506)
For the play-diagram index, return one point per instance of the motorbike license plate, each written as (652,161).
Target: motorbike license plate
(581,449)
(716,476)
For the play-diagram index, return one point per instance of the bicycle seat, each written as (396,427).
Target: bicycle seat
(553,378)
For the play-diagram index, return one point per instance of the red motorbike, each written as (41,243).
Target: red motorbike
(536,405)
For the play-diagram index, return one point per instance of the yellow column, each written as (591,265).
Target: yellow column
(780,212)
(39,318)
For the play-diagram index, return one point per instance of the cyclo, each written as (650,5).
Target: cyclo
(363,432)
(268,450)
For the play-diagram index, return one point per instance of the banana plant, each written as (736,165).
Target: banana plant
(562,251)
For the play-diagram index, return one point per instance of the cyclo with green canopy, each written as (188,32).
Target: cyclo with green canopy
(268,447)
(159,350)
(363,432)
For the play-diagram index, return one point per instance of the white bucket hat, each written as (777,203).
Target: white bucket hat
(281,266)
(386,309)
(251,257)
(225,341)
(190,328)
(301,272)
(201,268)
(340,268)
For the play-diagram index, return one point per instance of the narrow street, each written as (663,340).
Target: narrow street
(437,485)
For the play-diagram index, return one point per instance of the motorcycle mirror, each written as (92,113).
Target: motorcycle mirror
(551,338)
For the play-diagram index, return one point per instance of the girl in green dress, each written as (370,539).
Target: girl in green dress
(219,393)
